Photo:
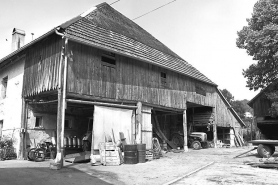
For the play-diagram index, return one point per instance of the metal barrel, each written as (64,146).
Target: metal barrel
(141,148)
(130,154)
(66,142)
(74,142)
(79,143)
(70,141)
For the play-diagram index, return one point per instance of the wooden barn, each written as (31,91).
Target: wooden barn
(266,124)
(100,70)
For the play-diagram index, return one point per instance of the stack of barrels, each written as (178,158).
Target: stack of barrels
(72,142)
(134,154)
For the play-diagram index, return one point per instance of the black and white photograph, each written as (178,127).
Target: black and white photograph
(129,92)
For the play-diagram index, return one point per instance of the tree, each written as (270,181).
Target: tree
(229,97)
(260,39)
(239,107)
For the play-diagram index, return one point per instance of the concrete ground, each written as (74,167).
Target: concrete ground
(224,170)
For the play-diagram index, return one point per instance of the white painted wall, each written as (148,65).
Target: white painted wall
(11,106)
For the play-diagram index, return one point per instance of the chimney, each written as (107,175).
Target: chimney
(18,38)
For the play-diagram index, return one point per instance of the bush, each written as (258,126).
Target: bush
(6,148)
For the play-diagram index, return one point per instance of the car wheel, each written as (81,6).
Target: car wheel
(265,151)
(196,145)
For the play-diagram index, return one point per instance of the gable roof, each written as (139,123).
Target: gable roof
(270,87)
(104,27)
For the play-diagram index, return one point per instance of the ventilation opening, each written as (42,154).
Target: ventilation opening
(163,80)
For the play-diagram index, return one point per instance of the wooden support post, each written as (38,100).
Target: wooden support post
(61,106)
(139,123)
(93,160)
(22,152)
(185,147)
(253,120)
(214,128)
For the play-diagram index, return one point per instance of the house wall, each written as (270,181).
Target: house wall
(261,105)
(11,106)
(224,117)
(35,135)
(132,80)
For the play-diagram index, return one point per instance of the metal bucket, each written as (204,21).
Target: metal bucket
(130,154)
(141,148)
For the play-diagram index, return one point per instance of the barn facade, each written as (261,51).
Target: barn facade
(102,71)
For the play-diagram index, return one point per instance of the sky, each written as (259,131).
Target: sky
(202,32)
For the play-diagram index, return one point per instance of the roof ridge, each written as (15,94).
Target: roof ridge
(128,22)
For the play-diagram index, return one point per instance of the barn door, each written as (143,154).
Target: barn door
(108,118)
(147,132)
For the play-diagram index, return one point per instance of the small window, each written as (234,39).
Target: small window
(68,124)
(38,122)
(4,87)
(108,60)
(200,90)
(163,80)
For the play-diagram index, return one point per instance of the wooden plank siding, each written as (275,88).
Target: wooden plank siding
(41,70)
(223,115)
(131,79)
(261,106)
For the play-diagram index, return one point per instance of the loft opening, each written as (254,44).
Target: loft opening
(108,59)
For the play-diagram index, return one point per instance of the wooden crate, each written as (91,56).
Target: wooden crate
(107,146)
(110,155)
(149,156)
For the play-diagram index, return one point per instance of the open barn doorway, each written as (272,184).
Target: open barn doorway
(168,127)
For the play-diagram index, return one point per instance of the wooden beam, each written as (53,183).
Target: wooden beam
(61,105)
(214,128)
(98,99)
(139,123)
(102,104)
(185,147)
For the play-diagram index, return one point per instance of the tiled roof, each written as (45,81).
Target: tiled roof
(106,28)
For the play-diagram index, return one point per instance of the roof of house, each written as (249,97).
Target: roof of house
(271,86)
(104,27)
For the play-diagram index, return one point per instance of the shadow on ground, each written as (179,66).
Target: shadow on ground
(45,176)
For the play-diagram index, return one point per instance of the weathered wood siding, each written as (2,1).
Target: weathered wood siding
(42,66)
(261,106)
(131,80)
(223,116)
